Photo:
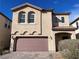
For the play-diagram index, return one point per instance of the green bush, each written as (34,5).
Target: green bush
(73,54)
(69,48)
(68,44)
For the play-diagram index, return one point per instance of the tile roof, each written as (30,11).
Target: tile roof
(64,13)
(64,28)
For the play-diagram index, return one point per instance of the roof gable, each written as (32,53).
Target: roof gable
(30,5)
(26,4)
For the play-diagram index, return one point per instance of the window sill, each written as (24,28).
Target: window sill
(21,23)
(30,23)
(27,23)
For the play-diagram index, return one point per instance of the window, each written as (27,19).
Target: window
(21,17)
(62,19)
(5,25)
(77,25)
(31,16)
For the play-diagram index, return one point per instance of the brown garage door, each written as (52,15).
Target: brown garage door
(32,44)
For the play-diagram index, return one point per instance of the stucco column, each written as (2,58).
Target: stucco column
(53,46)
(11,44)
(73,36)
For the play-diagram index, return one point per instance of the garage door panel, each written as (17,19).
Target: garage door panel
(32,44)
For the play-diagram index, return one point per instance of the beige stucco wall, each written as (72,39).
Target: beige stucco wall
(43,22)
(66,20)
(71,32)
(46,23)
(74,25)
(42,25)
(77,29)
(21,27)
(4,32)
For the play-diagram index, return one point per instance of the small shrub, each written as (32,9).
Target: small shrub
(69,48)
(73,54)
(68,44)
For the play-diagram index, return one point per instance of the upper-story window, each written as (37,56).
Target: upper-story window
(5,25)
(62,19)
(31,17)
(21,18)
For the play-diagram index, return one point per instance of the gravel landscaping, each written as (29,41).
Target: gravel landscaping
(27,55)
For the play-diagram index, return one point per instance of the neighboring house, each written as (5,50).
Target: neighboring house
(5,31)
(37,29)
(75,24)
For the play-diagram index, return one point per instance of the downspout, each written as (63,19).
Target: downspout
(41,24)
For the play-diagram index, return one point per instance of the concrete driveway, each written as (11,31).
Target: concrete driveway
(28,55)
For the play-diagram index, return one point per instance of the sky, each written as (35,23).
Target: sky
(71,6)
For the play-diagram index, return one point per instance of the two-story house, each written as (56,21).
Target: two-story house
(38,29)
(5,31)
(75,24)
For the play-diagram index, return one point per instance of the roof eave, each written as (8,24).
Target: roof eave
(25,4)
(64,13)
